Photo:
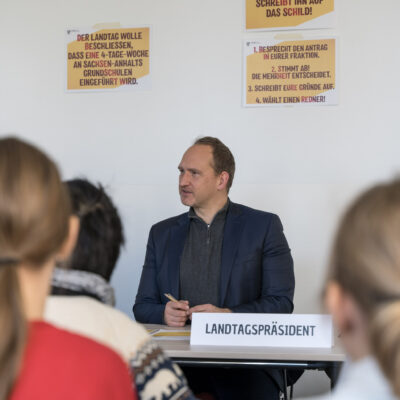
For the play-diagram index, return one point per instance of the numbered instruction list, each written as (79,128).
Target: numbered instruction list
(290,72)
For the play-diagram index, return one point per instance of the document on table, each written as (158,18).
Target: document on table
(169,334)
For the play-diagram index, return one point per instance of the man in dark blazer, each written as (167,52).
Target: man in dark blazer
(218,257)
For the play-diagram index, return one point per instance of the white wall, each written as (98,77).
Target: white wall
(302,163)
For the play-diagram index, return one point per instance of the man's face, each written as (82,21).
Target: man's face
(198,182)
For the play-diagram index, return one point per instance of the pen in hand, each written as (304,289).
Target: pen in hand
(176,311)
(170,297)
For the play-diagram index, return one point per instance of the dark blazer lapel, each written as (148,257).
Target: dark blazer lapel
(178,237)
(232,233)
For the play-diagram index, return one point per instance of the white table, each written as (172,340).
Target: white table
(326,359)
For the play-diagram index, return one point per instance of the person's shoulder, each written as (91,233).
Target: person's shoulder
(83,347)
(130,334)
(76,348)
(88,305)
(170,222)
(104,323)
(74,312)
(124,335)
(240,209)
(94,368)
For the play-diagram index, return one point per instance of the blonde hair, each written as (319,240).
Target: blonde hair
(366,263)
(34,211)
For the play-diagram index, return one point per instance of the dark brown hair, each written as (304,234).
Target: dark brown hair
(222,157)
(100,231)
(34,212)
(366,263)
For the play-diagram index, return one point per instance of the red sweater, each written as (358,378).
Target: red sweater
(61,365)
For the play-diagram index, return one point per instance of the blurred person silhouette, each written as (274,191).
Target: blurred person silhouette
(362,293)
(82,298)
(38,360)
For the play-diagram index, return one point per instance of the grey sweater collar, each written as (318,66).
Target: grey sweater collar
(85,282)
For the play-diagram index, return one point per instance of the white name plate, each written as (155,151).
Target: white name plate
(270,330)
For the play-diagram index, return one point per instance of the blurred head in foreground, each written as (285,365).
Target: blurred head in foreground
(34,222)
(363,284)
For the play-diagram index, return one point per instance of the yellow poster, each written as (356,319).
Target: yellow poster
(289,14)
(108,59)
(290,72)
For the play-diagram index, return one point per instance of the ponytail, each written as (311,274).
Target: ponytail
(385,342)
(13,328)
(34,212)
(366,263)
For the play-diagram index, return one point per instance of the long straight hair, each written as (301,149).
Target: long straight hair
(366,263)
(34,211)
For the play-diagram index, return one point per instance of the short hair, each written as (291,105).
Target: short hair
(100,234)
(223,159)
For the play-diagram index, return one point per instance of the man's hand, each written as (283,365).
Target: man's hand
(207,308)
(176,313)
